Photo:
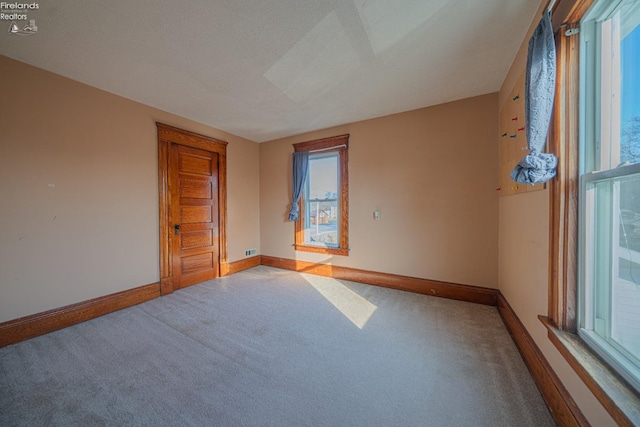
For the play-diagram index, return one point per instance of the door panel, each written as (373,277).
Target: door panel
(193,182)
(195,164)
(195,188)
(196,239)
(196,263)
(195,214)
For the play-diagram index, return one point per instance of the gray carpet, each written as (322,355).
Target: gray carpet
(268,347)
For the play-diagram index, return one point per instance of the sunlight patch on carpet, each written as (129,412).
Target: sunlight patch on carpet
(354,307)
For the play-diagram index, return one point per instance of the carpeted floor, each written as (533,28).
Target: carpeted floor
(268,347)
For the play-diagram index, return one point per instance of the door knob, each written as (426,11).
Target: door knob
(177,229)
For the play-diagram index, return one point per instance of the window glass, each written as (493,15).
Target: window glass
(321,201)
(629,17)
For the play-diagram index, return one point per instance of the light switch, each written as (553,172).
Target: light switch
(376,214)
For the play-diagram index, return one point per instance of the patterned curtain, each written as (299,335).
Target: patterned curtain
(540,84)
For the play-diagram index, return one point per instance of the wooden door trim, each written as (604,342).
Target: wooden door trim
(167,135)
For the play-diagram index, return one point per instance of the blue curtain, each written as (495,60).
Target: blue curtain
(300,171)
(540,84)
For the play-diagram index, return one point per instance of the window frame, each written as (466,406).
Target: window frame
(338,144)
(615,395)
(608,351)
(600,141)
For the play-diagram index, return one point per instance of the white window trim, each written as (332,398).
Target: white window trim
(597,164)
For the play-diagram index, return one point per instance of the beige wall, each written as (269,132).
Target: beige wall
(79,192)
(523,261)
(432,174)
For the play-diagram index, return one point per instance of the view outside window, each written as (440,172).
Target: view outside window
(321,201)
(630,88)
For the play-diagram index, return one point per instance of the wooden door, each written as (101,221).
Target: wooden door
(193,213)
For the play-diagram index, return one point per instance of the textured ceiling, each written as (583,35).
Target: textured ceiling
(266,69)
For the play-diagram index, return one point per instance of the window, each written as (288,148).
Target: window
(324,215)
(609,235)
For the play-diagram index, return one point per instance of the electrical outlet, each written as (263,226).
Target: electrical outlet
(250,252)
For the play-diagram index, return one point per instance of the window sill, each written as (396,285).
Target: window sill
(322,250)
(618,398)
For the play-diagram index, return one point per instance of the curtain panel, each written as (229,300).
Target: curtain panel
(300,171)
(540,83)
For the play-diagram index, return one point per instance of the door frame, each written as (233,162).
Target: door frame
(166,136)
